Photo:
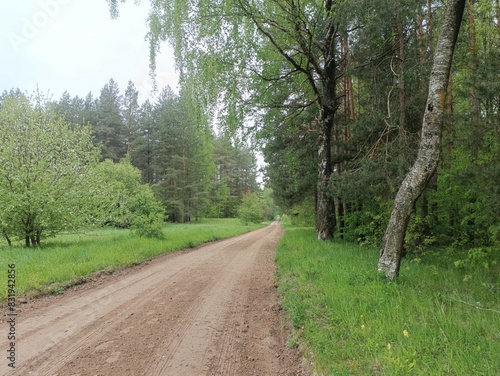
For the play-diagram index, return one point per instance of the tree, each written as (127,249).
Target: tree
(251,209)
(131,204)
(181,158)
(109,128)
(238,51)
(291,154)
(271,210)
(46,171)
(235,175)
(141,154)
(430,145)
(131,112)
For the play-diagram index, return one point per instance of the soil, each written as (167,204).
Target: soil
(212,310)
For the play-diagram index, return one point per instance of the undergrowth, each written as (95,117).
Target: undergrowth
(440,317)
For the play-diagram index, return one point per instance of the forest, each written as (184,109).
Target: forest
(334,93)
(337,93)
(379,127)
(110,161)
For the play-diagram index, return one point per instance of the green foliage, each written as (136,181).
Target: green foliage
(302,214)
(352,321)
(131,203)
(109,128)
(291,154)
(192,172)
(251,209)
(367,224)
(235,175)
(181,158)
(46,171)
(481,257)
(271,210)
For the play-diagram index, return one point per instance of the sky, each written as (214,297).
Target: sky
(74,45)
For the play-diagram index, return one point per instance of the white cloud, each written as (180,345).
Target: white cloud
(74,45)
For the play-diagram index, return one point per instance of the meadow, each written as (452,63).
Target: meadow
(441,317)
(72,258)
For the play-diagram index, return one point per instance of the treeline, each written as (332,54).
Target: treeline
(193,172)
(337,92)
(110,160)
(382,98)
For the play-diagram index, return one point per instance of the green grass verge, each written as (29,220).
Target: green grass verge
(71,258)
(436,319)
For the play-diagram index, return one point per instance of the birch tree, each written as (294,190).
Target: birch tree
(430,145)
(234,53)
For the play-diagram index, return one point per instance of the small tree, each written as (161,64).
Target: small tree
(131,204)
(251,209)
(46,170)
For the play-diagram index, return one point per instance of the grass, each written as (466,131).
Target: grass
(436,319)
(72,258)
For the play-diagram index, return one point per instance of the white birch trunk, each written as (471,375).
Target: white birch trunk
(430,144)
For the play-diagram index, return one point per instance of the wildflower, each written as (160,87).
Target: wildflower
(389,346)
(406,334)
(363,326)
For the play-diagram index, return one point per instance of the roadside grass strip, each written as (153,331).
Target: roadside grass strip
(72,258)
(436,319)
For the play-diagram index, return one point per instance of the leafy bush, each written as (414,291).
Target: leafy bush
(303,214)
(484,257)
(131,203)
(251,209)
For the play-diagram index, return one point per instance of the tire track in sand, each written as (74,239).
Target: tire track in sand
(181,315)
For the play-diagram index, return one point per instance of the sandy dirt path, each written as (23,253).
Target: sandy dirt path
(207,311)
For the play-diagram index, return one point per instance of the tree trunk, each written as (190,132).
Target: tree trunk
(430,144)
(429,26)
(325,208)
(474,100)
(38,237)
(401,81)
(6,236)
(497,6)
(449,123)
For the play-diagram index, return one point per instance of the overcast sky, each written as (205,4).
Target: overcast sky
(74,45)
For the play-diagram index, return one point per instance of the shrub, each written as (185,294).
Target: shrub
(251,209)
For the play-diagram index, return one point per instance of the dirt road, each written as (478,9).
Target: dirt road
(207,311)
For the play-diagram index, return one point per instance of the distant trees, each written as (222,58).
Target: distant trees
(181,159)
(109,128)
(192,172)
(234,177)
(251,209)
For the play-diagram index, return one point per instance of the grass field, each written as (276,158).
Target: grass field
(71,258)
(436,319)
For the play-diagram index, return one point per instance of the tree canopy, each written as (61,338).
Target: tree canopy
(46,171)
(335,92)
